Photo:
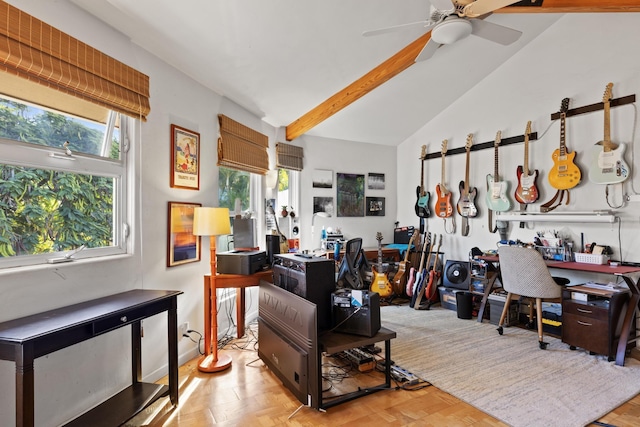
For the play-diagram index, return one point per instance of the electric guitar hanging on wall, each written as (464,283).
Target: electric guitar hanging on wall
(466,207)
(526,191)
(564,174)
(496,197)
(380,282)
(422,204)
(608,165)
(444,209)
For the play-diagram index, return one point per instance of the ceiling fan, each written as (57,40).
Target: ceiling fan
(453,20)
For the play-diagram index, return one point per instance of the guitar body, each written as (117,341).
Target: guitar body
(400,278)
(418,290)
(608,166)
(466,204)
(496,197)
(422,203)
(431,293)
(380,284)
(564,174)
(410,282)
(527,190)
(444,209)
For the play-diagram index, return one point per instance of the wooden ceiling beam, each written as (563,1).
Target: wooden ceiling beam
(406,58)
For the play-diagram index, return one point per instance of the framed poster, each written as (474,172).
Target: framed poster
(323,204)
(322,178)
(375,206)
(182,246)
(375,181)
(350,194)
(185,158)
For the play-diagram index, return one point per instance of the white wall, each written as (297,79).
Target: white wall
(569,60)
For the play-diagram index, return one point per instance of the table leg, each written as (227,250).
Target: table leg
(387,362)
(136,352)
(487,290)
(240,311)
(172,335)
(628,319)
(24,386)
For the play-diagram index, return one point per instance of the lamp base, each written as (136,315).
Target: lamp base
(208,364)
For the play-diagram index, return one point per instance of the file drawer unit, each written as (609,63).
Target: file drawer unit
(594,325)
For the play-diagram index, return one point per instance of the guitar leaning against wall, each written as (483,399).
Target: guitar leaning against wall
(400,278)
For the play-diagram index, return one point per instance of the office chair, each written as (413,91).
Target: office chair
(353,260)
(525,273)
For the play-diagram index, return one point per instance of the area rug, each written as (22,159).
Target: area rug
(508,376)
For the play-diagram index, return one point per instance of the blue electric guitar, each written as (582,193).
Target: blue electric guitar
(608,165)
(496,197)
(422,204)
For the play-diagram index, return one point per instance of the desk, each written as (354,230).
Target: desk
(238,281)
(335,342)
(623,272)
(24,339)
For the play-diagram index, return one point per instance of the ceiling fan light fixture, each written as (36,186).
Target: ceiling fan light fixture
(451,30)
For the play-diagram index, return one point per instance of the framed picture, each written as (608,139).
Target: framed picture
(182,246)
(375,181)
(185,158)
(322,178)
(350,194)
(323,204)
(375,206)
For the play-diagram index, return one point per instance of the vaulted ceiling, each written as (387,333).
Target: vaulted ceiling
(304,66)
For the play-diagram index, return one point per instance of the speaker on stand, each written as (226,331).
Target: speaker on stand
(457,275)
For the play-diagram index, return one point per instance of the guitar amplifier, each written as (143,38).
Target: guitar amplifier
(402,235)
(356,312)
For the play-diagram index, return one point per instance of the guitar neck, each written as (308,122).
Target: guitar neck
(496,178)
(606,143)
(563,144)
(442,177)
(466,174)
(526,155)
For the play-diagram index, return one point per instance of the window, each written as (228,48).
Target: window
(62,184)
(234,187)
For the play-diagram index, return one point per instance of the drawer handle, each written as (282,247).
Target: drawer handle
(585,323)
(123,319)
(585,311)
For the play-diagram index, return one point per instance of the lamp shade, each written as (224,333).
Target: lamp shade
(211,221)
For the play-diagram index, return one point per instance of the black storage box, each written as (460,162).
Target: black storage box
(241,262)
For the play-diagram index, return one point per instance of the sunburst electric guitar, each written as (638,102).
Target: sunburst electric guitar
(496,197)
(422,204)
(526,191)
(444,208)
(564,174)
(607,164)
(380,282)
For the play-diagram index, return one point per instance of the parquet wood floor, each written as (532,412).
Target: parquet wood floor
(248,394)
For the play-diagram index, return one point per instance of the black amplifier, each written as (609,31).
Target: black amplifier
(356,312)
(241,262)
(310,277)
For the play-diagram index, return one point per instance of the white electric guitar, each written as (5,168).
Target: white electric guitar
(496,196)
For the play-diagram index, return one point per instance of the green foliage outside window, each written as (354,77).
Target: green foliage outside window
(232,185)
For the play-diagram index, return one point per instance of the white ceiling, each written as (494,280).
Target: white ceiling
(281,58)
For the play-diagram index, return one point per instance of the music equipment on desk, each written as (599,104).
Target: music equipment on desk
(241,262)
(444,209)
(380,282)
(526,191)
(356,312)
(422,204)
(564,174)
(496,197)
(310,277)
(466,206)
(400,278)
(608,165)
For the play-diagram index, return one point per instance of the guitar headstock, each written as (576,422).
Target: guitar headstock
(607,93)
(443,150)
(469,142)
(498,138)
(423,152)
(564,105)
(527,131)
(379,236)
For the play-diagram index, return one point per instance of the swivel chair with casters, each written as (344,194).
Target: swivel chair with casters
(525,273)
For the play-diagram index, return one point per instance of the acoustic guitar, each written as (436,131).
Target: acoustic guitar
(400,278)
(380,282)
(466,206)
(526,191)
(444,209)
(607,164)
(422,204)
(564,174)
(496,197)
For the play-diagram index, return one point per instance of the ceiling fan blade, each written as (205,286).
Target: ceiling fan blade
(482,7)
(494,32)
(442,5)
(396,28)
(428,50)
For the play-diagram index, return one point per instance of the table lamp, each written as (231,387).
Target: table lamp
(211,222)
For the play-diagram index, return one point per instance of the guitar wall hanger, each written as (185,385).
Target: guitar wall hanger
(617,102)
(477,147)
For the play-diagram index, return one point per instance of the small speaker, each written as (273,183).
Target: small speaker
(273,247)
(457,275)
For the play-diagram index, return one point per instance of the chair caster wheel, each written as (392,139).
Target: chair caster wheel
(500,330)
(543,345)
(572,347)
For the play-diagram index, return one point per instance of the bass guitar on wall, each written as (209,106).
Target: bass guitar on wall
(444,209)
(380,281)
(526,191)
(466,204)
(564,174)
(422,204)
(497,199)
(607,164)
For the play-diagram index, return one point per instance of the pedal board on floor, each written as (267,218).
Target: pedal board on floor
(399,374)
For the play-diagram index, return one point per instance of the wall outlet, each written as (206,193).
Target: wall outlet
(182,329)
(632,197)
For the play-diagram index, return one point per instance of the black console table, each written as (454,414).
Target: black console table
(24,339)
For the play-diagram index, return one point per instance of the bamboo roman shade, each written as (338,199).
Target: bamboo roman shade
(240,147)
(36,51)
(289,156)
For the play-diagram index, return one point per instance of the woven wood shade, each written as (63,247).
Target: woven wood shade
(289,156)
(36,51)
(240,147)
